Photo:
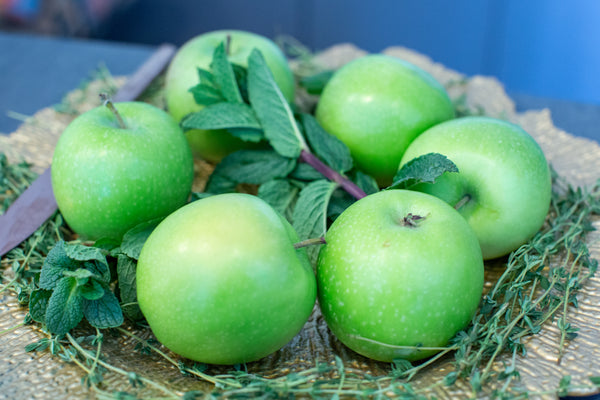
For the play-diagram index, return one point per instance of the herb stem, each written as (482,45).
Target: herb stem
(208,378)
(350,187)
(310,242)
(112,368)
(12,328)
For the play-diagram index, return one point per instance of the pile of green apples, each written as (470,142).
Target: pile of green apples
(224,279)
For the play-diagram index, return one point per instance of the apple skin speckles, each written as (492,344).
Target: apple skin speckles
(106,179)
(418,291)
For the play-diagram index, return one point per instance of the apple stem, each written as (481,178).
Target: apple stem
(350,187)
(411,220)
(110,105)
(310,242)
(465,199)
(228,44)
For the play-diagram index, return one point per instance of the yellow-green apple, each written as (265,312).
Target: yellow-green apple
(182,75)
(109,176)
(220,281)
(503,186)
(377,105)
(400,275)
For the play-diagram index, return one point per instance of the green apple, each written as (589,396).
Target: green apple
(219,281)
(400,275)
(108,178)
(182,75)
(377,105)
(503,186)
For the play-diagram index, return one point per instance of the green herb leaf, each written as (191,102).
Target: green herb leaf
(272,109)
(206,91)
(93,290)
(134,239)
(38,302)
(104,312)
(305,172)
(366,182)
(280,194)
(310,213)
(425,168)
(81,274)
(92,257)
(55,263)
(238,118)
(247,134)
(65,306)
(340,200)
(241,76)
(224,76)
(126,268)
(314,84)
(326,146)
(206,95)
(249,166)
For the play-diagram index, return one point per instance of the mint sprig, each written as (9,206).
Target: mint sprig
(301,152)
(74,284)
(290,174)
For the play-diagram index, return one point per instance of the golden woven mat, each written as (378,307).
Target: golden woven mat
(40,375)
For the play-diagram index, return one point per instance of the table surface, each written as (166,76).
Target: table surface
(36,72)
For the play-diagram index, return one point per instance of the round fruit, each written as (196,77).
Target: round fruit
(400,275)
(108,179)
(182,75)
(219,281)
(377,105)
(503,186)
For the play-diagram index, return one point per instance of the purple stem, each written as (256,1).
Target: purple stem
(332,175)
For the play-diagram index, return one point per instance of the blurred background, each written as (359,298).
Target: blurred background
(547,48)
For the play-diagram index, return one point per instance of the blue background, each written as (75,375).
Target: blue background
(546,48)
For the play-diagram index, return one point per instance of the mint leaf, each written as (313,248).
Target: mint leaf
(241,76)
(65,306)
(327,147)
(92,258)
(92,290)
(272,109)
(314,84)
(310,213)
(224,76)
(247,134)
(228,116)
(206,77)
(219,184)
(38,302)
(280,194)
(55,263)
(425,168)
(249,166)
(340,200)
(305,172)
(366,182)
(127,287)
(206,95)
(134,239)
(104,312)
